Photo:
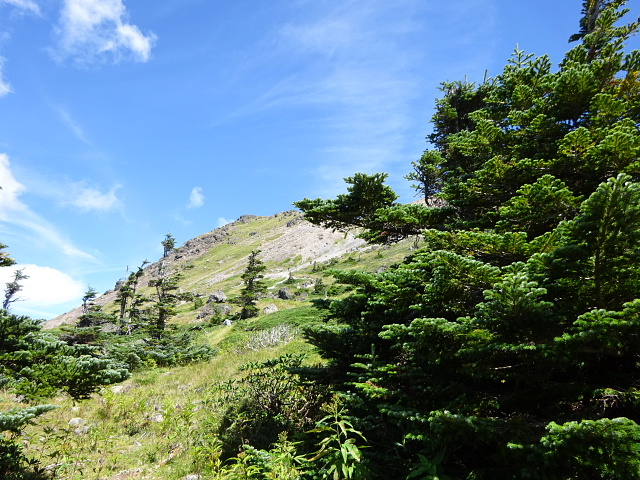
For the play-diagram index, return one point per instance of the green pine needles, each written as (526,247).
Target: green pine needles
(508,347)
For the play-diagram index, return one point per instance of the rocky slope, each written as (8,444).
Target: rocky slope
(214,260)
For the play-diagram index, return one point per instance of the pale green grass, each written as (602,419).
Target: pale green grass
(155,424)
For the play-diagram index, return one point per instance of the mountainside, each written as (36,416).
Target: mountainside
(289,247)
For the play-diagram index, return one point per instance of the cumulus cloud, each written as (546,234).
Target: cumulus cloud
(45,285)
(15,212)
(97,29)
(29,5)
(196,199)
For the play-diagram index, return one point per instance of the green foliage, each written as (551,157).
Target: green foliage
(254,287)
(280,462)
(427,469)
(15,419)
(171,349)
(268,400)
(168,244)
(507,348)
(604,448)
(166,298)
(89,295)
(5,259)
(601,256)
(38,364)
(12,288)
(367,194)
(339,456)
(426,174)
(16,466)
(130,301)
(13,462)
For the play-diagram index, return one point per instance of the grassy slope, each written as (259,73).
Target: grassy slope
(159,423)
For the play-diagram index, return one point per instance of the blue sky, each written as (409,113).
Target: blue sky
(121,121)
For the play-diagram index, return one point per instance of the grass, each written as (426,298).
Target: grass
(161,423)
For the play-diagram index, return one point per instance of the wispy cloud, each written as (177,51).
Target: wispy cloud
(90,199)
(29,5)
(326,36)
(17,213)
(196,198)
(223,221)
(5,88)
(361,75)
(72,125)
(84,196)
(362,71)
(96,30)
(11,190)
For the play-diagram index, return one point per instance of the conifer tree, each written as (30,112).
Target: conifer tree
(13,287)
(166,297)
(89,295)
(168,244)
(254,287)
(5,259)
(507,348)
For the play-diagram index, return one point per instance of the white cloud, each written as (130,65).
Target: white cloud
(325,36)
(91,199)
(11,190)
(29,5)
(365,65)
(363,75)
(17,213)
(45,286)
(5,88)
(76,129)
(97,29)
(196,199)
(223,221)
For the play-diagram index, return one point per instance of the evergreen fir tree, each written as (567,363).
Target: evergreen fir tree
(254,287)
(508,347)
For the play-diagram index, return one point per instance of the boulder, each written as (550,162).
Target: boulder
(217,297)
(285,294)
(272,308)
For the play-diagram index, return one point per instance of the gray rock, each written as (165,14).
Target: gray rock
(217,297)
(272,308)
(81,430)
(285,294)
(204,312)
(157,418)
(77,421)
